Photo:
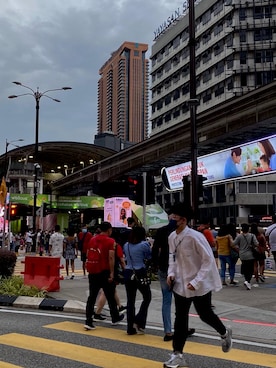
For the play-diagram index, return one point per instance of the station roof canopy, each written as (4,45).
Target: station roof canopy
(58,157)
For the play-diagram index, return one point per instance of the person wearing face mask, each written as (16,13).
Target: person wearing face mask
(194,276)
(83,240)
(160,262)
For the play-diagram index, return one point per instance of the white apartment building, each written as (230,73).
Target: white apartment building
(235,54)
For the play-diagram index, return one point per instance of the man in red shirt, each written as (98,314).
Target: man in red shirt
(84,238)
(103,279)
(204,228)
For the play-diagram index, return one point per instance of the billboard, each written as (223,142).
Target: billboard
(117,210)
(250,159)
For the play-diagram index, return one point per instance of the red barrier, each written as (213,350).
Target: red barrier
(42,272)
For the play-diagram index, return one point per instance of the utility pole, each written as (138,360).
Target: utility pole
(193,102)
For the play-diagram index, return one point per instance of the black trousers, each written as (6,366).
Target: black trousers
(248,269)
(141,317)
(96,282)
(204,309)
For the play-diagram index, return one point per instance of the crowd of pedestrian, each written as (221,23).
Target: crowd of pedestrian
(190,264)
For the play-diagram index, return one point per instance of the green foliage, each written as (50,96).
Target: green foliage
(7,262)
(15,286)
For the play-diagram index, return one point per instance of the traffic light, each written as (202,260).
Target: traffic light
(136,189)
(200,188)
(186,180)
(13,211)
(45,209)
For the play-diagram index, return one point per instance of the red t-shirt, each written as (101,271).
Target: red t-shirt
(105,244)
(87,239)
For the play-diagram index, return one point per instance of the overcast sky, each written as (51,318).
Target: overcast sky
(55,43)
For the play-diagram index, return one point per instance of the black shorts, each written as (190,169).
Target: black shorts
(83,257)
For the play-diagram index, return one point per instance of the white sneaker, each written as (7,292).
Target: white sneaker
(247,285)
(176,361)
(226,341)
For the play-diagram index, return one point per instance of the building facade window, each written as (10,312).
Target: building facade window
(243,35)
(242,13)
(243,57)
(263,34)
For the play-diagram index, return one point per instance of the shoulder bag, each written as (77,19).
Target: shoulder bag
(140,276)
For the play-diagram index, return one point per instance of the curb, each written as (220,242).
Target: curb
(72,306)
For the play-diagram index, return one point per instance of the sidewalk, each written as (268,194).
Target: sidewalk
(250,313)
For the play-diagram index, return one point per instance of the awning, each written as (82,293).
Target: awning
(155,215)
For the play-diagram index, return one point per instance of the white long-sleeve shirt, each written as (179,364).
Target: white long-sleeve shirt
(191,260)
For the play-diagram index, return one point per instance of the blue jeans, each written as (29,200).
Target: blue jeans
(224,260)
(166,302)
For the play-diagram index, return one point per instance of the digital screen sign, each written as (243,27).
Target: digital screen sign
(250,159)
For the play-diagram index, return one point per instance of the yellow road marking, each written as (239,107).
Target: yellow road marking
(100,358)
(236,355)
(8,365)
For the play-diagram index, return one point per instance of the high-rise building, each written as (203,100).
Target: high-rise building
(235,54)
(123,93)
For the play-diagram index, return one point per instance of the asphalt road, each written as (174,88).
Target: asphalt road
(37,339)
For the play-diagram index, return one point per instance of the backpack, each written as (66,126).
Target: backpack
(93,261)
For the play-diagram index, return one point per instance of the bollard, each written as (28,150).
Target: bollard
(42,272)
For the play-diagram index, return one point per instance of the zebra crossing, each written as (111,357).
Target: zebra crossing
(92,352)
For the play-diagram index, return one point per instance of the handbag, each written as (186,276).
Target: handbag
(234,254)
(254,249)
(141,276)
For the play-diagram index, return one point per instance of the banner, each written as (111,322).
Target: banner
(251,159)
(63,202)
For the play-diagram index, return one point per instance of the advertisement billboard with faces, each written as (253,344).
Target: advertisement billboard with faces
(250,159)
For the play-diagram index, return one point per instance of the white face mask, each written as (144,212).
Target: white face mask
(84,230)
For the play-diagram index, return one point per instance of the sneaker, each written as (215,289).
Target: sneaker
(168,337)
(121,317)
(89,326)
(72,277)
(176,361)
(262,278)
(99,317)
(226,343)
(233,283)
(191,331)
(224,283)
(247,285)
(122,308)
(255,285)
(140,330)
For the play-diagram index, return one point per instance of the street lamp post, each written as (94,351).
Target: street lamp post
(37,96)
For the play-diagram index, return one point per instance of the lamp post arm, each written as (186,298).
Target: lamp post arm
(51,98)
(23,85)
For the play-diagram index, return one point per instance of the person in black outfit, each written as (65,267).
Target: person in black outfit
(160,262)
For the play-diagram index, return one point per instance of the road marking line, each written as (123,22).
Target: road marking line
(96,357)
(237,355)
(9,365)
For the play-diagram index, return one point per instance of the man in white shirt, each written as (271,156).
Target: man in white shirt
(270,235)
(193,275)
(56,243)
